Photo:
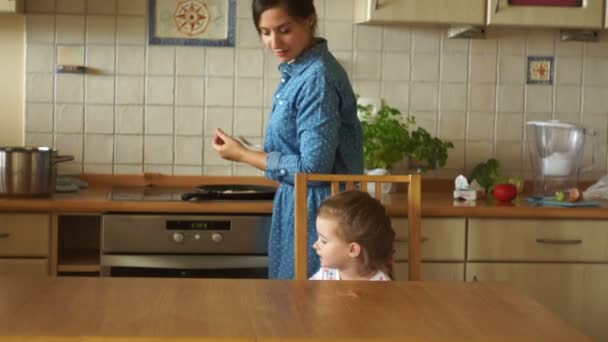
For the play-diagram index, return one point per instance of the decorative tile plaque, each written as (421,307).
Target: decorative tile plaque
(192,22)
(540,70)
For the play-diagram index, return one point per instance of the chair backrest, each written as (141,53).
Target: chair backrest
(349,181)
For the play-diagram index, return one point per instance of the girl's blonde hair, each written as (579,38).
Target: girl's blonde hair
(362,219)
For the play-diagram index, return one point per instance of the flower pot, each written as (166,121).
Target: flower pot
(371,187)
(417,166)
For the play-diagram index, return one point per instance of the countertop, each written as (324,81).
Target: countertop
(436,200)
(127,309)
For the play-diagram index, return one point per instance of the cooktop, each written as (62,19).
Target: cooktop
(232,192)
(147,193)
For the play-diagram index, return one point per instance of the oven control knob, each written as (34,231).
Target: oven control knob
(217,237)
(178,237)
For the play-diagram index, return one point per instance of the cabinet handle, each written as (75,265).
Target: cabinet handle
(5,235)
(559,241)
(422,240)
(377,4)
(475,279)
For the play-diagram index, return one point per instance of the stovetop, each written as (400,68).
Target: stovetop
(148,193)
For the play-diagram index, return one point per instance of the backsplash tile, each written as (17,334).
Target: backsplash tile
(150,108)
(39,87)
(99,119)
(101,7)
(39,117)
(101,30)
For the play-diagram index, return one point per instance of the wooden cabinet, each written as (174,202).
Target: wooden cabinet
(576,292)
(11,6)
(537,240)
(24,243)
(443,248)
(24,266)
(420,11)
(561,263)
(589,15)
(79,241)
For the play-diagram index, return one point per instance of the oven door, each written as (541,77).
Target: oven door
(185,266)
(172,245)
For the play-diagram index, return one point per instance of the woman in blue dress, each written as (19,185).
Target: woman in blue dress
(313,125)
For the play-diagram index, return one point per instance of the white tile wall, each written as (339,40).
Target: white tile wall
(155,108)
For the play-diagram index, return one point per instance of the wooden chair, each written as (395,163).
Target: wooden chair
(413,212)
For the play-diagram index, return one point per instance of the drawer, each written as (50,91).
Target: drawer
(453,271)
(443,239)
(24,234)
(537,240)
(24,267)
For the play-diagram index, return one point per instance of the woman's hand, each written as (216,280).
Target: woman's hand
(227,147)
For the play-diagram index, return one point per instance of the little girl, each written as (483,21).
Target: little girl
(355,238)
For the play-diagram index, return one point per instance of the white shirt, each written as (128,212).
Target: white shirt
(333,274)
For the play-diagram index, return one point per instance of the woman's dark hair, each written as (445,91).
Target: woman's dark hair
(362,219)
(298,9)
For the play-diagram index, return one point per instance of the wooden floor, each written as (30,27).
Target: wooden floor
(117,309)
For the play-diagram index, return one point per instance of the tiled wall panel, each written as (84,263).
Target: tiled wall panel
(143,108)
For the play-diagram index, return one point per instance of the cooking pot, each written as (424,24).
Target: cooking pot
(29,171)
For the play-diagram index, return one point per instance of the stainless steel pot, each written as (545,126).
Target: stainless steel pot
(29,171)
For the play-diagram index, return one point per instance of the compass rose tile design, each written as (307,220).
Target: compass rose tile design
(192,22)
(540,70)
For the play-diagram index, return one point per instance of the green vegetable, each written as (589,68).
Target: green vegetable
(486,174)
(560,195)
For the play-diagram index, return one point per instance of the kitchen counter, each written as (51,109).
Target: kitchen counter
(126,309)
(436,200)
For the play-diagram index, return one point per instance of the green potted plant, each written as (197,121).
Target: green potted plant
(425,151)
(387,139)
(384,135)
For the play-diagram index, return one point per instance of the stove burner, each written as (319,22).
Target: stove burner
(147,193)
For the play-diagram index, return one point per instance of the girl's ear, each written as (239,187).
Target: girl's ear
(354,250)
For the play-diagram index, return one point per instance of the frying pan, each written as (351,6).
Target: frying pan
(236,192)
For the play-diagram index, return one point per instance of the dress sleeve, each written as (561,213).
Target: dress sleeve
(318,123)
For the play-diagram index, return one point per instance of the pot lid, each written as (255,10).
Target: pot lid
(551,124)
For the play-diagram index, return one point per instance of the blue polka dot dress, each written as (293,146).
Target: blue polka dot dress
(313,128)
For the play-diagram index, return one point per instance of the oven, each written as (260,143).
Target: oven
(209,246)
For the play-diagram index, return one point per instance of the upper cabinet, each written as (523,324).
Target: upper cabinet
(421,11)
(11,6)
(584,14)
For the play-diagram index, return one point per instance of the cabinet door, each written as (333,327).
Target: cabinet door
(590,14)
(11,6)
(443,239)
(537,240)
(24,234)
(421,11)
(453,271)
(37,267)
(576,292)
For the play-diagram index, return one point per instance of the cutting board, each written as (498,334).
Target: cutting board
(551,201)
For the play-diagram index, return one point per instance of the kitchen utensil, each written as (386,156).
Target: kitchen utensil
(250,144)
(29,171)
(556,154)
(231,192)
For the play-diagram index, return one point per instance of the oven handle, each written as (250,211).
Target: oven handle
(191,262)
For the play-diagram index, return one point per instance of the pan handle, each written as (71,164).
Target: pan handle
(186,196)
(61,159)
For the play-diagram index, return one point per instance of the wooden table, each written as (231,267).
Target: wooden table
(126,309)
